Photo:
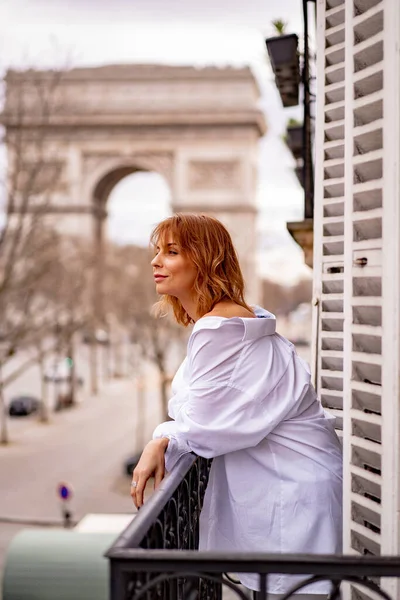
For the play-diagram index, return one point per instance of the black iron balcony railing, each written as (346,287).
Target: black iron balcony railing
(156,557)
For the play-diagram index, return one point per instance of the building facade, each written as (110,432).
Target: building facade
(356,350)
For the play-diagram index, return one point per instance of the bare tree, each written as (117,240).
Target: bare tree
(26,317)
(30,175)
(67,291)
(61,307)
(158,338)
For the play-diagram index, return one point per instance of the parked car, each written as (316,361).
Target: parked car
(131,462)
(100,336)
(22,406)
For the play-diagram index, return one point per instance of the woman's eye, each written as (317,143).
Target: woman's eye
(173,252)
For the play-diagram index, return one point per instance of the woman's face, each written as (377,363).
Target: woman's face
(174,273)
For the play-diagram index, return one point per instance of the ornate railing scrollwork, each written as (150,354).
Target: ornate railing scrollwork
(156,557)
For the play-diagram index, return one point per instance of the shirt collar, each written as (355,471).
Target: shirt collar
(260,327)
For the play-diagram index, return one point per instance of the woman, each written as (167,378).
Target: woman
(243,397)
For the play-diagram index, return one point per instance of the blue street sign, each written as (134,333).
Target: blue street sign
(64,491)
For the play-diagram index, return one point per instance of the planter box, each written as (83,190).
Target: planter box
(282,50)
(284,57)
(295,140)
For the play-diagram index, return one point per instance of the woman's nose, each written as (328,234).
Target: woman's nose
(156,262)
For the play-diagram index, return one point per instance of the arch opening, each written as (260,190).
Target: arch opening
(136,203)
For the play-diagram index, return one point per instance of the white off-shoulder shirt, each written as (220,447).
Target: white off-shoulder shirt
(243,397)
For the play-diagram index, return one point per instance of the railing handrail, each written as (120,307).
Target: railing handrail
(134,533)
(295,564)
(157,557)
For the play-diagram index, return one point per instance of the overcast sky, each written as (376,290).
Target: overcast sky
(222,32)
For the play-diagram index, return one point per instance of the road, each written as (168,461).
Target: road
(84,446)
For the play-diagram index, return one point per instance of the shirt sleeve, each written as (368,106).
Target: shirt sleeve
(219,416)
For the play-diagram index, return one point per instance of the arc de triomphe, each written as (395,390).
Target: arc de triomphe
(198,128)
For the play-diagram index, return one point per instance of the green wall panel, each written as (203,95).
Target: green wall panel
(45,564)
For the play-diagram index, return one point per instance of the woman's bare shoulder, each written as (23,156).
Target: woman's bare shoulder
(230,310)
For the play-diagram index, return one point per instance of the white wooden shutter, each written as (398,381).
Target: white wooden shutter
(329,195)
(356,266)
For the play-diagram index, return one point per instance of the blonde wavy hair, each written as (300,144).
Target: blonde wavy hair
(208,244)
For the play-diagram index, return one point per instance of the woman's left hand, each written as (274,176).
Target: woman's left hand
(151,463)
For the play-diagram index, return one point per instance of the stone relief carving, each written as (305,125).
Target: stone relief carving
(214,175)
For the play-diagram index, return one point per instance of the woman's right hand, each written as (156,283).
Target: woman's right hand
(151,464)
